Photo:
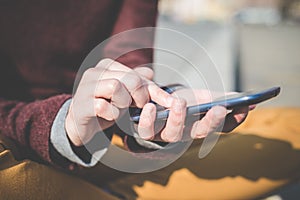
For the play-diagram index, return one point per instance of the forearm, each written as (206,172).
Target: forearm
(29,124)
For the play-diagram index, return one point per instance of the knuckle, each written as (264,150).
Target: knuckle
(105,63)
(105,60)
(161,93)
(150,72)
(139,102)
(144,99)
(89,72)
(127,102)
(114,85)
(99,107)
(145,71)
(181,102)
(135,82)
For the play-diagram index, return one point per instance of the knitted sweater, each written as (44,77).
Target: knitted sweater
(42,44)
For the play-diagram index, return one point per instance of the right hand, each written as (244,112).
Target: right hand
(103,92)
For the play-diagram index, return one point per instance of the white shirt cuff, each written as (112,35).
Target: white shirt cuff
(60,141)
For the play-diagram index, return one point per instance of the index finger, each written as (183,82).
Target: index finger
(160,96)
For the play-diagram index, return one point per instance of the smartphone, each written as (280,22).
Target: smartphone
(229,101)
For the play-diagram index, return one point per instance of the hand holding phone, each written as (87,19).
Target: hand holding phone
(230,102)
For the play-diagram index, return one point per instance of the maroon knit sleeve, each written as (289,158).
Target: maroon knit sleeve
(133,14)
(29,124)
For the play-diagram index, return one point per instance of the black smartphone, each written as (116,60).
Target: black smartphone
(230,102)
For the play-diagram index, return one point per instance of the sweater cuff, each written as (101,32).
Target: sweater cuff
(61,143)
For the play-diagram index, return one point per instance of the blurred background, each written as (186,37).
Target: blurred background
(255,44)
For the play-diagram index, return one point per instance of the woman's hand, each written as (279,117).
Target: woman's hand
(216,119)
(106,90)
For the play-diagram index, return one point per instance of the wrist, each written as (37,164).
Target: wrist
(70,128)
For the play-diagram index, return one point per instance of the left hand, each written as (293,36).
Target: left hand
(216,119)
